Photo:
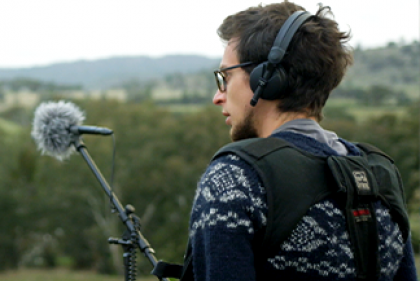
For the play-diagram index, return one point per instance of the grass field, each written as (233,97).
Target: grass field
(67,275)
(62,275)
(363,112)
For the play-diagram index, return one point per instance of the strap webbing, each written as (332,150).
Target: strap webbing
(358,185)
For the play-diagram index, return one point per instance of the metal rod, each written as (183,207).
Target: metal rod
(142,243)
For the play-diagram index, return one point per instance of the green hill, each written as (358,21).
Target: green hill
(393,66)
(389,72)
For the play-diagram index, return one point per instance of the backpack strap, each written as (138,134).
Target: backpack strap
(391,190)
(286,172)
(358,186)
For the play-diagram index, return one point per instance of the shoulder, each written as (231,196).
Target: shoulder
(229,190)
(226,175)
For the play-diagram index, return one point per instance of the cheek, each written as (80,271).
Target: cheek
(239,93)
(247,92)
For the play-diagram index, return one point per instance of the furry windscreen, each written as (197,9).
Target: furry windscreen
(50,128)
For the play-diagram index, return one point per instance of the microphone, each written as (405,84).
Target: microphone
(90,130)
(57,125)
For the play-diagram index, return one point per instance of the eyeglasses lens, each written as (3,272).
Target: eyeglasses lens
(220,81)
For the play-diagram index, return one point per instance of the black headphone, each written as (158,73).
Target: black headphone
(269,78)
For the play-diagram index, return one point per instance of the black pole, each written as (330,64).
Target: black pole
(141,242)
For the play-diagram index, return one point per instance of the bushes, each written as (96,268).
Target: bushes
(160,158)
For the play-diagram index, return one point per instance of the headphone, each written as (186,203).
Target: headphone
(269,78)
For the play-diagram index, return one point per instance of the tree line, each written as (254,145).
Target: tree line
(379,76)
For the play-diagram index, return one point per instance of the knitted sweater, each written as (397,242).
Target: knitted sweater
(230,208)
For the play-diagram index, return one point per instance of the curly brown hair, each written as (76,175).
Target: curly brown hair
(316,60)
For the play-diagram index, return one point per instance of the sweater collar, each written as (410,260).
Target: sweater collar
(308,135)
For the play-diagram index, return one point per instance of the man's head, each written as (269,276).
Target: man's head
(315,63)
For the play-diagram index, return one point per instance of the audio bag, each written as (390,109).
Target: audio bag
(293,186)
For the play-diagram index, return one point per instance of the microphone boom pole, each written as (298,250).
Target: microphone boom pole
(125,214)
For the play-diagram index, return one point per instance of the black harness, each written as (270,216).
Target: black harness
(287,172)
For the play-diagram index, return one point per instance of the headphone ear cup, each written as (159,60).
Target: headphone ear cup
(255,75)
(275,85)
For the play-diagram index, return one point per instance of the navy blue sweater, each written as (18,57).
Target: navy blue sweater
(230,208)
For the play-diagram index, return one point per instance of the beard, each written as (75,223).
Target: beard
(245,129)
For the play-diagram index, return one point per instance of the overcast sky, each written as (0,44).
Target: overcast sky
(41,32)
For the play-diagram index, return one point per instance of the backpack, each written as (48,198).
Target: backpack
(358,181)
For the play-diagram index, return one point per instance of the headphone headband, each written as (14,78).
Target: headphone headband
(285,35)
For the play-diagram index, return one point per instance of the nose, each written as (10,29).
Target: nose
(219,98)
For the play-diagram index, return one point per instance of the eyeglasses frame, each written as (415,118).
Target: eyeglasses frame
(220,72)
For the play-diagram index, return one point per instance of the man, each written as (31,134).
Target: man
(231,211)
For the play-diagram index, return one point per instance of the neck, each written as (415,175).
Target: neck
(269,120)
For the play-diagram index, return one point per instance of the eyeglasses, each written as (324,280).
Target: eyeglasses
(220,76)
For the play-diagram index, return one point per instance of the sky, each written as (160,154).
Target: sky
(42,32)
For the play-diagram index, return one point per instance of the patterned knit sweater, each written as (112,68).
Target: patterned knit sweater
(230,208)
